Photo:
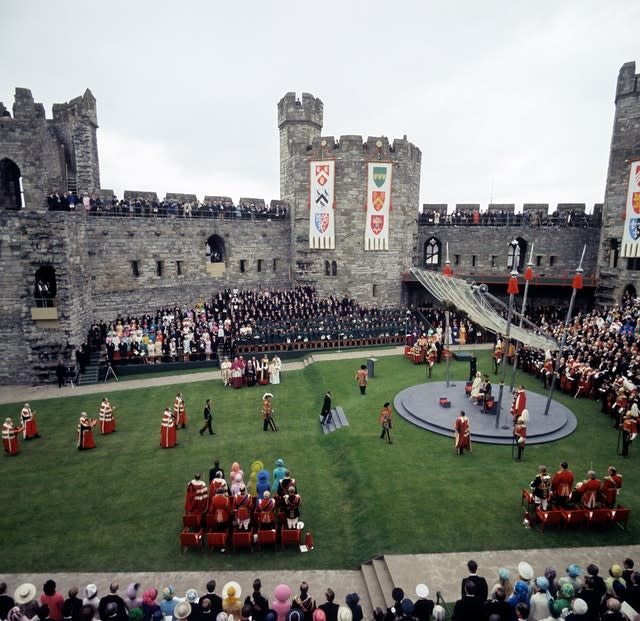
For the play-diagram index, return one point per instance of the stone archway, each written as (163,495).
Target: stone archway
(629,293)
(10,185)
(215,249)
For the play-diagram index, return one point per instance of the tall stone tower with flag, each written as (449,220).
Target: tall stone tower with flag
(619,255)
(354,205)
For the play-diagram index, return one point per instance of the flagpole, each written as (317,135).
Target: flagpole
(512,290)
(575,284)
(447,272)
(528,277)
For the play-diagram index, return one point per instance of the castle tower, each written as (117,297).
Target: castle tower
(617,273)
(299,121)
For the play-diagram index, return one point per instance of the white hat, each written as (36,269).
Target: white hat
(267,394)
(580,606)
(422,590)
(25,593)
(525,570)
(182,610)
(235,588)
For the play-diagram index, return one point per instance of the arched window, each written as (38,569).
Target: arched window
(11,196)
(629,294)
(334,268)
(517,251)
(327,268)
(215,249)
(432,253)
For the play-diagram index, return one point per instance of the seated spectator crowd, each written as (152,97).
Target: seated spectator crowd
(235,318)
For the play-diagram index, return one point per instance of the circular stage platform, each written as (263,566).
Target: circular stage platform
(420,405)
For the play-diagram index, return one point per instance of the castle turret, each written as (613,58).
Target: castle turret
(618,274)
(299,121)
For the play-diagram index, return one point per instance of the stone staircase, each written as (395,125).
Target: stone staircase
(91,373)
(337,421)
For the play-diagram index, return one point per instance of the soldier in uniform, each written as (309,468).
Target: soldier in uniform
(291,503)
(520,436)
(611,485)
(267,413)
(629,432)
(385,422)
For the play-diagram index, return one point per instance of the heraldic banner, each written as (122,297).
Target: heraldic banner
(631,235)
(322,204)
(376,230)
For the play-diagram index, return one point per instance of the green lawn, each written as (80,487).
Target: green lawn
(119,507)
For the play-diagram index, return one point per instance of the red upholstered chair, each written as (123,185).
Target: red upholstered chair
(217,539)
(190,539)
(242,539)
(573,516)
(550,517)
(267,536)
(191,520)
(527,499)
(598,517)
(620,515)
(218,520)
(289,536)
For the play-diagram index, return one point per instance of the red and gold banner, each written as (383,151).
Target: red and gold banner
(376,230)
(631,235)
(322,204)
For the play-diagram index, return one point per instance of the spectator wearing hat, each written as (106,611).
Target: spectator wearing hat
(498,605)
(182,610)
(423,606)
(579,610)
(132,600)
(566,594)
(149,604)
(330,608)
(231,602)
(281,604)
(504,580)
(112,596)
(481,590)
(6,601)
(168,602)
(344,613)
(615,576)
(91,599)
(353,602)
(573,577)
(24,594)
(538,605)
(53,599)
(191,596)
(216,600)
(520,595)
(469,606)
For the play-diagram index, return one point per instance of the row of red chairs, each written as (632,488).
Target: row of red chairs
(234,538)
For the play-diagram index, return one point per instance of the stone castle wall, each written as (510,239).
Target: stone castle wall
(614,273)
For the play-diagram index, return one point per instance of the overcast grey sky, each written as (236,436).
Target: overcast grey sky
(509,101)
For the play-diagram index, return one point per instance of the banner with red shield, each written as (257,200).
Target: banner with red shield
(322,175)
(378,205)
(630,246)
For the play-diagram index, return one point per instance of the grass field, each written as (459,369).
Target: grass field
(119,507)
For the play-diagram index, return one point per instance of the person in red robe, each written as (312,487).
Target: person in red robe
(520,436)
(84,437)
(179,411)
(197,497)
(589,489)
(562,485)
(29,426)
(611,485)
(519,403)
(10,437)
(167,430)
(107,418)
(463,433)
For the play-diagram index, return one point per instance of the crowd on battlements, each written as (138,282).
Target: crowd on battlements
(94,205)
(235,317)
(575,593)
(500,217)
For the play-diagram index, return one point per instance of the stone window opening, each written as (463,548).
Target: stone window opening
(517,254)
(334,268)
(552,261)
(614,246)
(259,265)
(275,264)
(135,269)
(159,268)
(214,249)
(11,191)
(327,268)
(45,286)
(242,266)
(179,268)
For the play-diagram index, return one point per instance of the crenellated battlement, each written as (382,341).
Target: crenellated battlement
(374,147)
(83,107)
(628,81)
(307,109)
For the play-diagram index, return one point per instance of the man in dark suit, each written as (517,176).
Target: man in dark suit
(326,408)
(216,600)
(330,608)
(481,590)
(469,607)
